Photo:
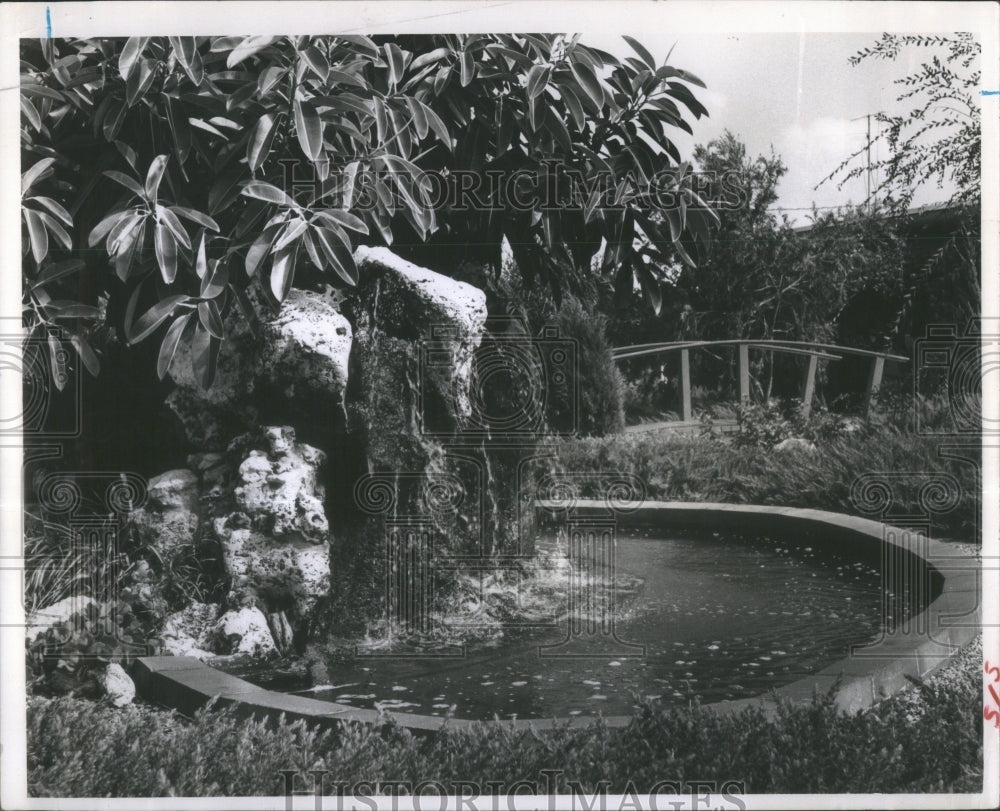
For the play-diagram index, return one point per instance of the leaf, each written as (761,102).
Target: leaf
(38,171)
(200,262)
(169,219)
(435,123)
(31,113)
(86,353)
(282,273)
(102,228)
(204,125)
(169,344)
(259,145)
(269,77)
(186,50)
(155,175)
(343,77)
(147,323)
(55,208)
(139,81)
(308,129)
(246,308)
(113,119)
(208,315)
(134,46)
(195,216)
(338,257)
(247,48)
(260,190)
(37,235)
(261,247)
(468,68)
(57,270)
(204,355)
(538,77)
(121,235)
(343,218)
(394,57)
(166,252)
(645,55)
(215,281)
(126,181)
(54,227)
(290,233)
(57,361)
(585,76)
(225,189)
(180,128)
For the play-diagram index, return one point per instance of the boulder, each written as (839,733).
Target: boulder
(188,632)
(116,685)
(243,631)
(439,320)
(279,491)
(168,523)
(295,370)
(307,348)
(67,610)
(275,541)
(795,445)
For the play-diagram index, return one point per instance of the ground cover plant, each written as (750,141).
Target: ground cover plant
(76,747)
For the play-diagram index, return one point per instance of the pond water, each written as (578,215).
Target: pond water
(720,617)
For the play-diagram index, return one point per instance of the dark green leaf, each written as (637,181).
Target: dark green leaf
(86,353)
(168,347)
(308,129)
(201,263)
(134,46)
(129,183)
(37,235)
(468,68)
(139,81)
(155,175)
(645,55)
(36,172)
(168,218)
(57,359)
(538,77)
(57,270)
(55,208)
(259,145)
(204,355)
(147,323)
(282,273)
(166,252)
(343,218)
(208,315)
(186,50)
(195,216)
(260,190)
(261,247)
(290,233)
(247,48)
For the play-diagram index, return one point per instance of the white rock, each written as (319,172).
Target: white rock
(795,445)
(66,610)
(244,631)
(188,632)
(175,489)
(116,685)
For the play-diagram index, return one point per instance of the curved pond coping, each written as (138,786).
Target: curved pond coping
(870,674)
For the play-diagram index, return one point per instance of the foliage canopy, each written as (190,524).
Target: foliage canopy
(165,176)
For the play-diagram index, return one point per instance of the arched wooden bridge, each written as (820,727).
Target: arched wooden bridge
(814,351)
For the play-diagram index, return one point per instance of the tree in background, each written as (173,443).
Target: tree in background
(939,138)
(163,178)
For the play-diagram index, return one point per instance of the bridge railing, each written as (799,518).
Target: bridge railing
(814,351)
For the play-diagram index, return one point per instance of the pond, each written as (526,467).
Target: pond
(718,617)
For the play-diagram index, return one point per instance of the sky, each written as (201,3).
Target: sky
(794,92)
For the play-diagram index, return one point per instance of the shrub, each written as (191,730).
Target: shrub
(597,387)
(79,749)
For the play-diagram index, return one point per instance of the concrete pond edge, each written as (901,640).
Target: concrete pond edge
(871,674)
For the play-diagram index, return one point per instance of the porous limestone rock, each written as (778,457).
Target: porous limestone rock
(116,685)
(188,632)
(168,523)
(243,631)
(64,611)
(276,540)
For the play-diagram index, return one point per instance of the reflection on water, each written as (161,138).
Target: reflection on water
(720,618)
